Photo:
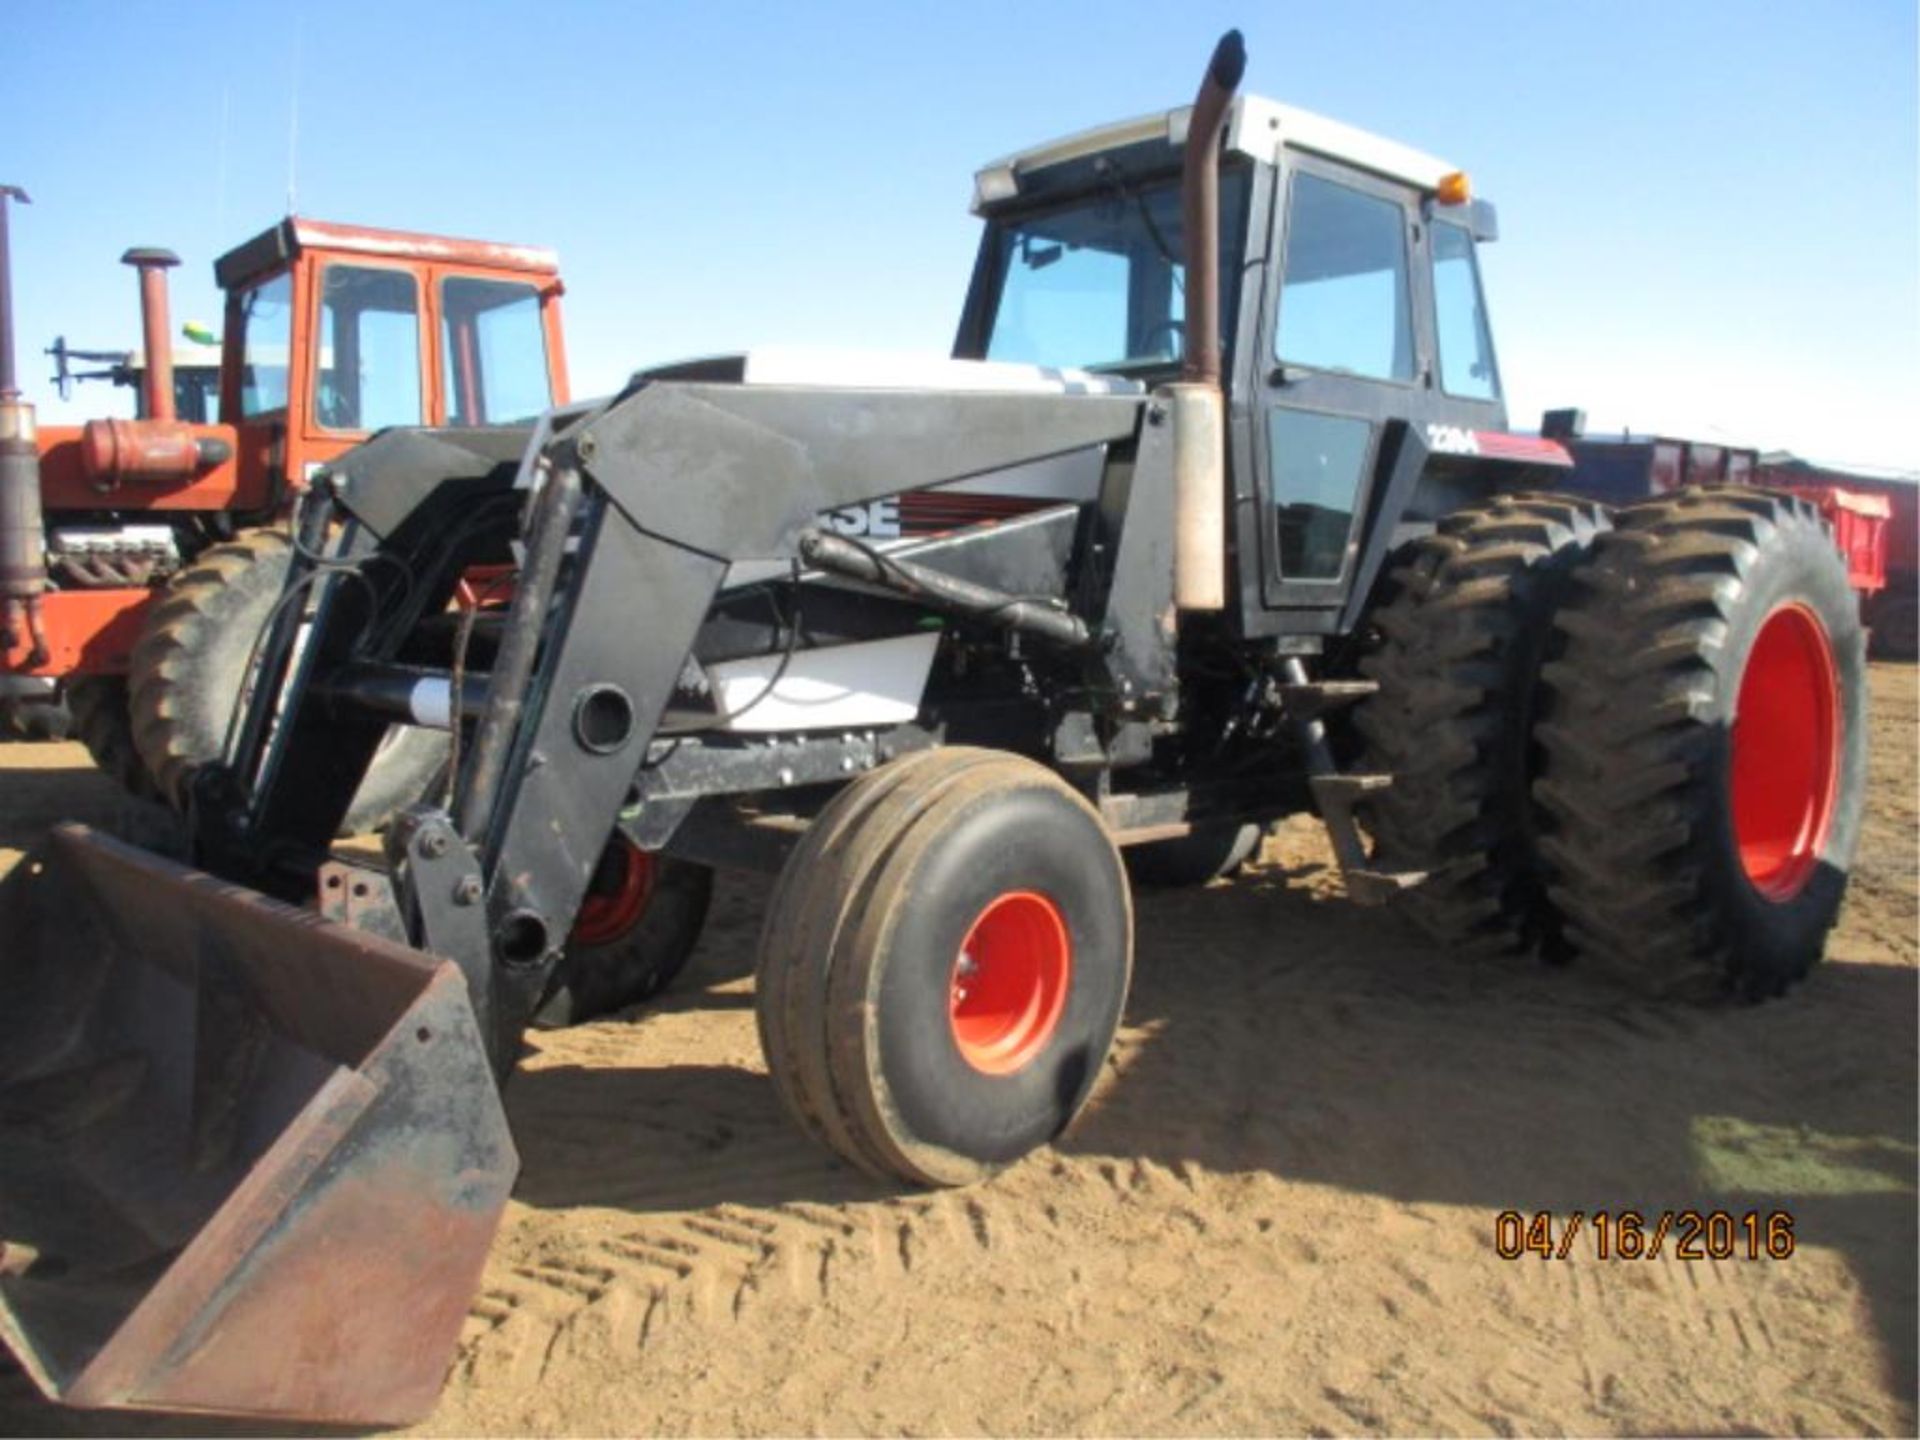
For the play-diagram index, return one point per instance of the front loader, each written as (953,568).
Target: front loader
(1212,518)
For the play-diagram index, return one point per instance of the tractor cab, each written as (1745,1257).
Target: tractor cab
(336,331)
(331,333)
(1351,315)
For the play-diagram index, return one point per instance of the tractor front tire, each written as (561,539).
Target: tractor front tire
(1706,745)
(634,934)
(192,659)
(1460,639)
(943,965)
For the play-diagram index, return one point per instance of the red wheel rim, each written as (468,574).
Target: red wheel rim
(1786,751)
(621,889)
(1009,982)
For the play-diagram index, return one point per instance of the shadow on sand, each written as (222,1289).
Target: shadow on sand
(1281,1030)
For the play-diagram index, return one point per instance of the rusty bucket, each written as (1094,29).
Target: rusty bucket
(251,1161)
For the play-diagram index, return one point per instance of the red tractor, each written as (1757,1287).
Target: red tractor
(155,550)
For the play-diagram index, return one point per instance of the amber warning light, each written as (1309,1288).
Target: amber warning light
(1454,189)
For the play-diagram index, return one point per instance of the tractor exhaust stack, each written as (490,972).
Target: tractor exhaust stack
(156,327)
(1200,207)
(1197,401)
(23,560)
(157,447)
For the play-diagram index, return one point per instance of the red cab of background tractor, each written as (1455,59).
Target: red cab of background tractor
(331,332)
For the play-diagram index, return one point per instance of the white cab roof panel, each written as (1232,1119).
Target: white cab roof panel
(1258,128)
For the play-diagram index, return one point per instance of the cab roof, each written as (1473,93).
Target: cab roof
(1256,127)
(273,247)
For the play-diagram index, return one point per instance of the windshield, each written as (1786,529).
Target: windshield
(1098,283)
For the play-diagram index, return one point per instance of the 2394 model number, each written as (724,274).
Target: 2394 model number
(1631,1235)
(1452,440)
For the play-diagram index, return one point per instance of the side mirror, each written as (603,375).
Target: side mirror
(1563,424)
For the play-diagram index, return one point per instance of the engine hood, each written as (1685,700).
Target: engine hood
(849,369)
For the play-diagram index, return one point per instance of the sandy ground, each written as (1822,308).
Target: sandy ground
(1278,1215)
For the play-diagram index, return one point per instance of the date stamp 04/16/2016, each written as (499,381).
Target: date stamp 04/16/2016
(1634,1235)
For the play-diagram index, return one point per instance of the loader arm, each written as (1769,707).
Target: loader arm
(619,575)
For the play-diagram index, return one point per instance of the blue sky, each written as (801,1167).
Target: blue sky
(1710,211)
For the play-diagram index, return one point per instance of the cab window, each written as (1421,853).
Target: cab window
(1318,463)
(1099,282)
(266,328)
(1460,317)
(368,365)
(493,351)
(1343,298)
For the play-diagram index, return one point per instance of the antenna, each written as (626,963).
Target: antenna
(293,114)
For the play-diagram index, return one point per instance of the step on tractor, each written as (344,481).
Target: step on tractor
(143,562)
(1212,517)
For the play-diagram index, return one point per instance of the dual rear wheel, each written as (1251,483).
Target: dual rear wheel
(1705,745)
(1639,744)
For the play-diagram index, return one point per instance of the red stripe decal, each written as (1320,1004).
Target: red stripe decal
(1499,445)
(925,512)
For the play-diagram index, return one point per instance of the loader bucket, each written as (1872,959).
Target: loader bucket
(250,1160)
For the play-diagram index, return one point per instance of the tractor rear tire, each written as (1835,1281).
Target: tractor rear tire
(1460,642)
(1208,853)
(943,965)
(191,661)
(634,934)
(103,723)
(1706,745)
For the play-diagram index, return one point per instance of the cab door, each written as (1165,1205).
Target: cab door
(1341,360)
(365,350)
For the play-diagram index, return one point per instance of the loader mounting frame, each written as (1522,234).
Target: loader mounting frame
(568,743)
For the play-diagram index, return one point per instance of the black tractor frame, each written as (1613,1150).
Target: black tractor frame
(684,523)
